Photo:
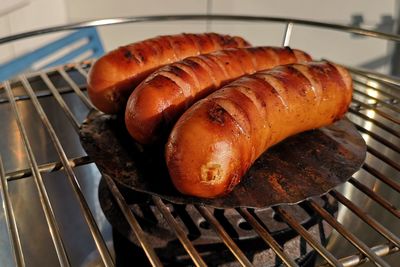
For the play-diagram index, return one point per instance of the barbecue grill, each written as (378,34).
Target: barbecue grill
(49,186)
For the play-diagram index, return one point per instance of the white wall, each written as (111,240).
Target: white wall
(34,14)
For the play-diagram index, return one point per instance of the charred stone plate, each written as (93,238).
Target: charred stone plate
(302,166)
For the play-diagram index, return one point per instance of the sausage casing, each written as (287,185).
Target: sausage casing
(160,99)
(215,142)
(115,75)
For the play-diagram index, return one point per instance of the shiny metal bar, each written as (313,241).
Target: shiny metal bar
(378,138)
(10,219)
(288,34)
(375,88)
(367,218)
(377,100)
(219,229)
(94,230)
(267,237)
(76,88)
(60,101)
(375,76)
(380,250)
(377,123)
(39,94)
(48,167)
(378,111)
(133,223)
(307,236)
(179,232)
(137,230)
(202,17)
(348,235)
(394,185)
(380,200)
(44,198)
(384,158)
(357,259)
(81,70)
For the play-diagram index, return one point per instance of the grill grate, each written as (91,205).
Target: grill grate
(375,111)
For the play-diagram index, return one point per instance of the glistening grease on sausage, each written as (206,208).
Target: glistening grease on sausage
(160,99)
(215,142)
(114,76)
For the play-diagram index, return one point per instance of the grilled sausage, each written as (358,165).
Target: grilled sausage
(215,142)
(114,76)
(160,99)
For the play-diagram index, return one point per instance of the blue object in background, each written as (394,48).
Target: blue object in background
(25,62)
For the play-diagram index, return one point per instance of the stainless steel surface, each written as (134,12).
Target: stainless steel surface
(38,185)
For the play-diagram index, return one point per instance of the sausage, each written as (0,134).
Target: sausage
(160,99)
(114,76)
(215,142)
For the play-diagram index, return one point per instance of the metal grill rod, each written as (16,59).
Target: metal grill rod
(375,88)
(288,34)
(10,219)
(94,230)
(378,138)
(60,101)
(48,167)
(179,232)
(394,185)
(377,77)
(76,88)
(384,158)
(377,100)
(380,200)
(348,235)
(377,123)
(307,236)
(267,237)
(219,229)
(44,198)
(130,218)
(380,112)
(367,218)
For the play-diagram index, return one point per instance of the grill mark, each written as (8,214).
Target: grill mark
(242,130)
(215,58)
(232,55)
(267,78)
(173,75)
(189,71)
(202,61)
(171,44)
(195,40)
(214,41)
(189,67)
(313,83)
(252,58)
(155,47)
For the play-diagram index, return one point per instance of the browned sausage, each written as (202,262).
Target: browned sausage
(160,99)
(114,76)
(216,141)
